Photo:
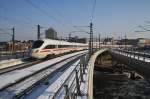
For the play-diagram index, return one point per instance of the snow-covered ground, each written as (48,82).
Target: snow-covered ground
(10,92)
(57,82)
(12,77)
(54,87)
(10,62)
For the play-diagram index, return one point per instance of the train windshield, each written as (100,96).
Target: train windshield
(37,44)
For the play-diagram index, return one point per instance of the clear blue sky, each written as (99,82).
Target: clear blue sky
(112,17)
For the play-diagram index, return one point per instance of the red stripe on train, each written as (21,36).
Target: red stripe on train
(48,50)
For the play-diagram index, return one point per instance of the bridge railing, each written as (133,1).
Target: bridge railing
(72,86)
(134,54)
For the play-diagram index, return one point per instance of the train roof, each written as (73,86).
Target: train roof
(61,42)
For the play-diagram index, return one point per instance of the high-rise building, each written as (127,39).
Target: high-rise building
(51,34)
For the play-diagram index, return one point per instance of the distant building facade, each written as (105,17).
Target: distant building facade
(18,46)
(143,42)
(50,34)
(77,40)
(128,42)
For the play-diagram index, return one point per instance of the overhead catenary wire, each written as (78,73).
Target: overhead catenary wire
(58,20)
(56,11)
(25,21)
(147,22)
(42,11)
(15,20)
(3,31)
(93,11)
(68,24)
(143,28)
(10,18)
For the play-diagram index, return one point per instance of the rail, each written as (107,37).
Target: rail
(26,82)
(19,66)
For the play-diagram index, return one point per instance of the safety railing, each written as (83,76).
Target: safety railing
(134,54)
(71,88)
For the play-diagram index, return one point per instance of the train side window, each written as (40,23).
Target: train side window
(63,46)
(60,46)
(49,47)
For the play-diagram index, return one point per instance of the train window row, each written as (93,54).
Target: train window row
(49,47)
(62,46)
(55,46)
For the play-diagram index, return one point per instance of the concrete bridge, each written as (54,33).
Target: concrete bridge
(74,74)
(91,71)
(140,62)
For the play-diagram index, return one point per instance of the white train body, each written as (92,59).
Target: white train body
(46,47)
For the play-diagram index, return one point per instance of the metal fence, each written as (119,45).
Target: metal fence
(71,86)
(134,54)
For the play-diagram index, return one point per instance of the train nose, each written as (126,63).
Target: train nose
(34,52)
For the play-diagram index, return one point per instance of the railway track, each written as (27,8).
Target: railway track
(29,62)
(20,66)
(24,85)
(66,85)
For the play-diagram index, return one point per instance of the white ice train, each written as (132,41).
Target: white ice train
(47,47)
